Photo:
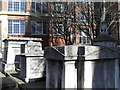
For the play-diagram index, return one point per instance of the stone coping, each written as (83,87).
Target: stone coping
(21,39)
(73,52)
(104,37)
(32,54)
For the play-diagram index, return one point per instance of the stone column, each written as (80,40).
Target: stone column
(104,69)
(100,68)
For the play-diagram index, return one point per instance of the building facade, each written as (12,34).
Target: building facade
(22,18)
(57,23)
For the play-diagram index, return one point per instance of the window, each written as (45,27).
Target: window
(58,28)
(38,28)
(83,36)
(16,5)
(82,4)
(16,27)
(40,7)
(81,18)
(58,7)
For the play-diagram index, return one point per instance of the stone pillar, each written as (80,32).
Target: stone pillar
(32,62)
(32,67)
(100,68)
(103,71)
(61,66)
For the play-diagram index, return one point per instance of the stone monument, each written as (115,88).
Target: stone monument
(32,63)
(12,48)
(84,66)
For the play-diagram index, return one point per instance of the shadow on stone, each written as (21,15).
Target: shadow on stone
(33,86)
(8,83)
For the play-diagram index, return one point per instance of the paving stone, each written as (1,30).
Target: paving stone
(13,82)
(8,82)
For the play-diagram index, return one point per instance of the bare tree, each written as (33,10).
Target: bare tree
(66,12)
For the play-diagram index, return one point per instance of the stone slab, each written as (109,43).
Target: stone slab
(22,39)
(69,52)
(100,52)
(31,47)
(72,52)
(32,67)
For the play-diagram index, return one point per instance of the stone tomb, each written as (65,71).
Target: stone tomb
(31,47)
(32,63)
(78,66)
(12,49)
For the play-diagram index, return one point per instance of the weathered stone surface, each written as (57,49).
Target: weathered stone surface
(32,61)
(100,52)
(32,67)
(63,53)
(31,47)
(12,48)
(72,52)
(60,66)
(54,78)
(61,74)
(86,67)
(101,74)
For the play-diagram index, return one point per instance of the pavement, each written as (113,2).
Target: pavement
(11,81)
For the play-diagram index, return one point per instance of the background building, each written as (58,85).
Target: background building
(21,18)
(57,23)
